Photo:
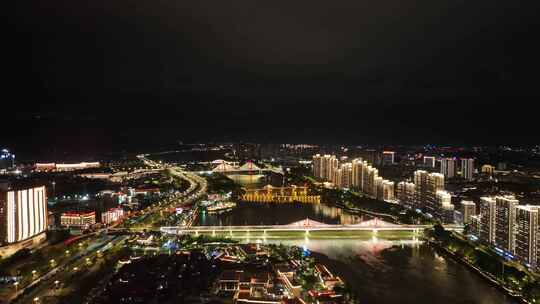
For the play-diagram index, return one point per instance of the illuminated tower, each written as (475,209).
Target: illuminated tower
(448,167)
(467,168)
(527,235)
(505,220)
(487,219)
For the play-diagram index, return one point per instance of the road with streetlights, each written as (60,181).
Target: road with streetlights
(64,281)
(60,279)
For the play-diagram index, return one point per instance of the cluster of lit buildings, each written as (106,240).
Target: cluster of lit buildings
(511,228)
(279,285)
(426,192)
(23,217)
(85,220)
(449,166)
(357,174)
(47,167)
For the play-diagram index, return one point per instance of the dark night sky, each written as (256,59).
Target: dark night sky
(105,73)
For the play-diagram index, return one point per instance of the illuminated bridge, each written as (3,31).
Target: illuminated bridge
(307,225)
(249,167)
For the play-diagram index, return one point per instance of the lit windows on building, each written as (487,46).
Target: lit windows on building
(505,213)
(468,209)
(112,215)
(487,219)
(78,219)
(448,167)
(526,248)
(467,168)
(23,214)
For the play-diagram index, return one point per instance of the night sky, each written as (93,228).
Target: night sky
(95,74)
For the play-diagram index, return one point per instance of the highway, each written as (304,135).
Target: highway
(59,279)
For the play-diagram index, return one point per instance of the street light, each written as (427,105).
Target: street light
(56,283)
(36,300)
(16,284)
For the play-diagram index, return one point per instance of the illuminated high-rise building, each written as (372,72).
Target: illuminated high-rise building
(23,213)
(426,187)
(388,190)
(344,176)
(366,171)
(317,165)
(444,210)
(487,219)
(475,225)
(379,190)
(467,168)
(405,193)
(324,167)
(448,167)
(526,249)
(370,187)
(468,209)
(429,161)
(337,178)
(505,220)
(330,164)
(420,191)
(356,173)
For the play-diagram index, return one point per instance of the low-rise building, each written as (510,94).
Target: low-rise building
(112,215)
(82,220)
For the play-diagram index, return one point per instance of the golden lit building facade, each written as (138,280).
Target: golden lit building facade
(270,194)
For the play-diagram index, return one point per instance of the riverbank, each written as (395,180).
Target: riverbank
(507,276)
(489,278)
(384,271)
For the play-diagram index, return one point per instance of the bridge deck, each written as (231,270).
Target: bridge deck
(301,228)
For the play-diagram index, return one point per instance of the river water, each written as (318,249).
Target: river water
(279,214)
(379,270)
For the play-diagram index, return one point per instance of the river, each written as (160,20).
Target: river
(379,270)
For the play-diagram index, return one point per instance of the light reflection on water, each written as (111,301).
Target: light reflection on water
(380,270)
(274,214)
(404,271)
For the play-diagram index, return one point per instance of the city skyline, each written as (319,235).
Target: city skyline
(284,152)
